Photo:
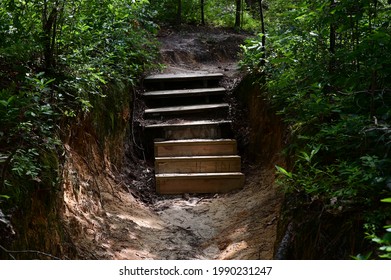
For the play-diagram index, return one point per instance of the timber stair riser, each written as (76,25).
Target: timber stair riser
(193,148)
(184,97)
(206,164)
(190,130)
(181,81)
(201,111)
(182,93)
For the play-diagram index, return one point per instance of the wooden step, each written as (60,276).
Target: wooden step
(190,130)
(198,164)
(181,81)
(189,123)
(197,154)
(183,77)
(195,147)
(184,92)
(174,183)
(190,109)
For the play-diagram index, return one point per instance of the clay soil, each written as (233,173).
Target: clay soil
(129,221)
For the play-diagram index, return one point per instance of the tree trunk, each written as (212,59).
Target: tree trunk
(179,12)
(263,32)
(238,11)
(49,26)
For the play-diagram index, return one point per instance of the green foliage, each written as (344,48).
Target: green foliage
(253,54)
(327,73)
(217,13)
(340,185)
(57,58)
(384,242)
(24,163)
(27,135)
(107,41)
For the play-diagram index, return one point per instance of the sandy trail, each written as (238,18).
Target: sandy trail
(240,225)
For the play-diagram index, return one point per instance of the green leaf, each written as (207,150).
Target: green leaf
(388,200)
(3,158)
(284,172)
(305,156)
(362,257)
(98,77)
(385,248)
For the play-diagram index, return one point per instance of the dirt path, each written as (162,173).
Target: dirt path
(239,225)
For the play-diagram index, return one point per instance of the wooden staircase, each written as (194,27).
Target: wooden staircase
(193,147)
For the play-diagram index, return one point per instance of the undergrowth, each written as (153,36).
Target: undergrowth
(326,70)
(58,59)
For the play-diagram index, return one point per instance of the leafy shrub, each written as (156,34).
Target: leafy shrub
(384,242)
(56,59)
(327,74)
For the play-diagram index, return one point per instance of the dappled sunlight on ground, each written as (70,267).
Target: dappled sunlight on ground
(238,225)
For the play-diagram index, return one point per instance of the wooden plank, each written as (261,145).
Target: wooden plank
(186,109)
(199,183)
(196,147)
(184,92)
(192,130)
(189,123)
(183,77)
(198,164)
